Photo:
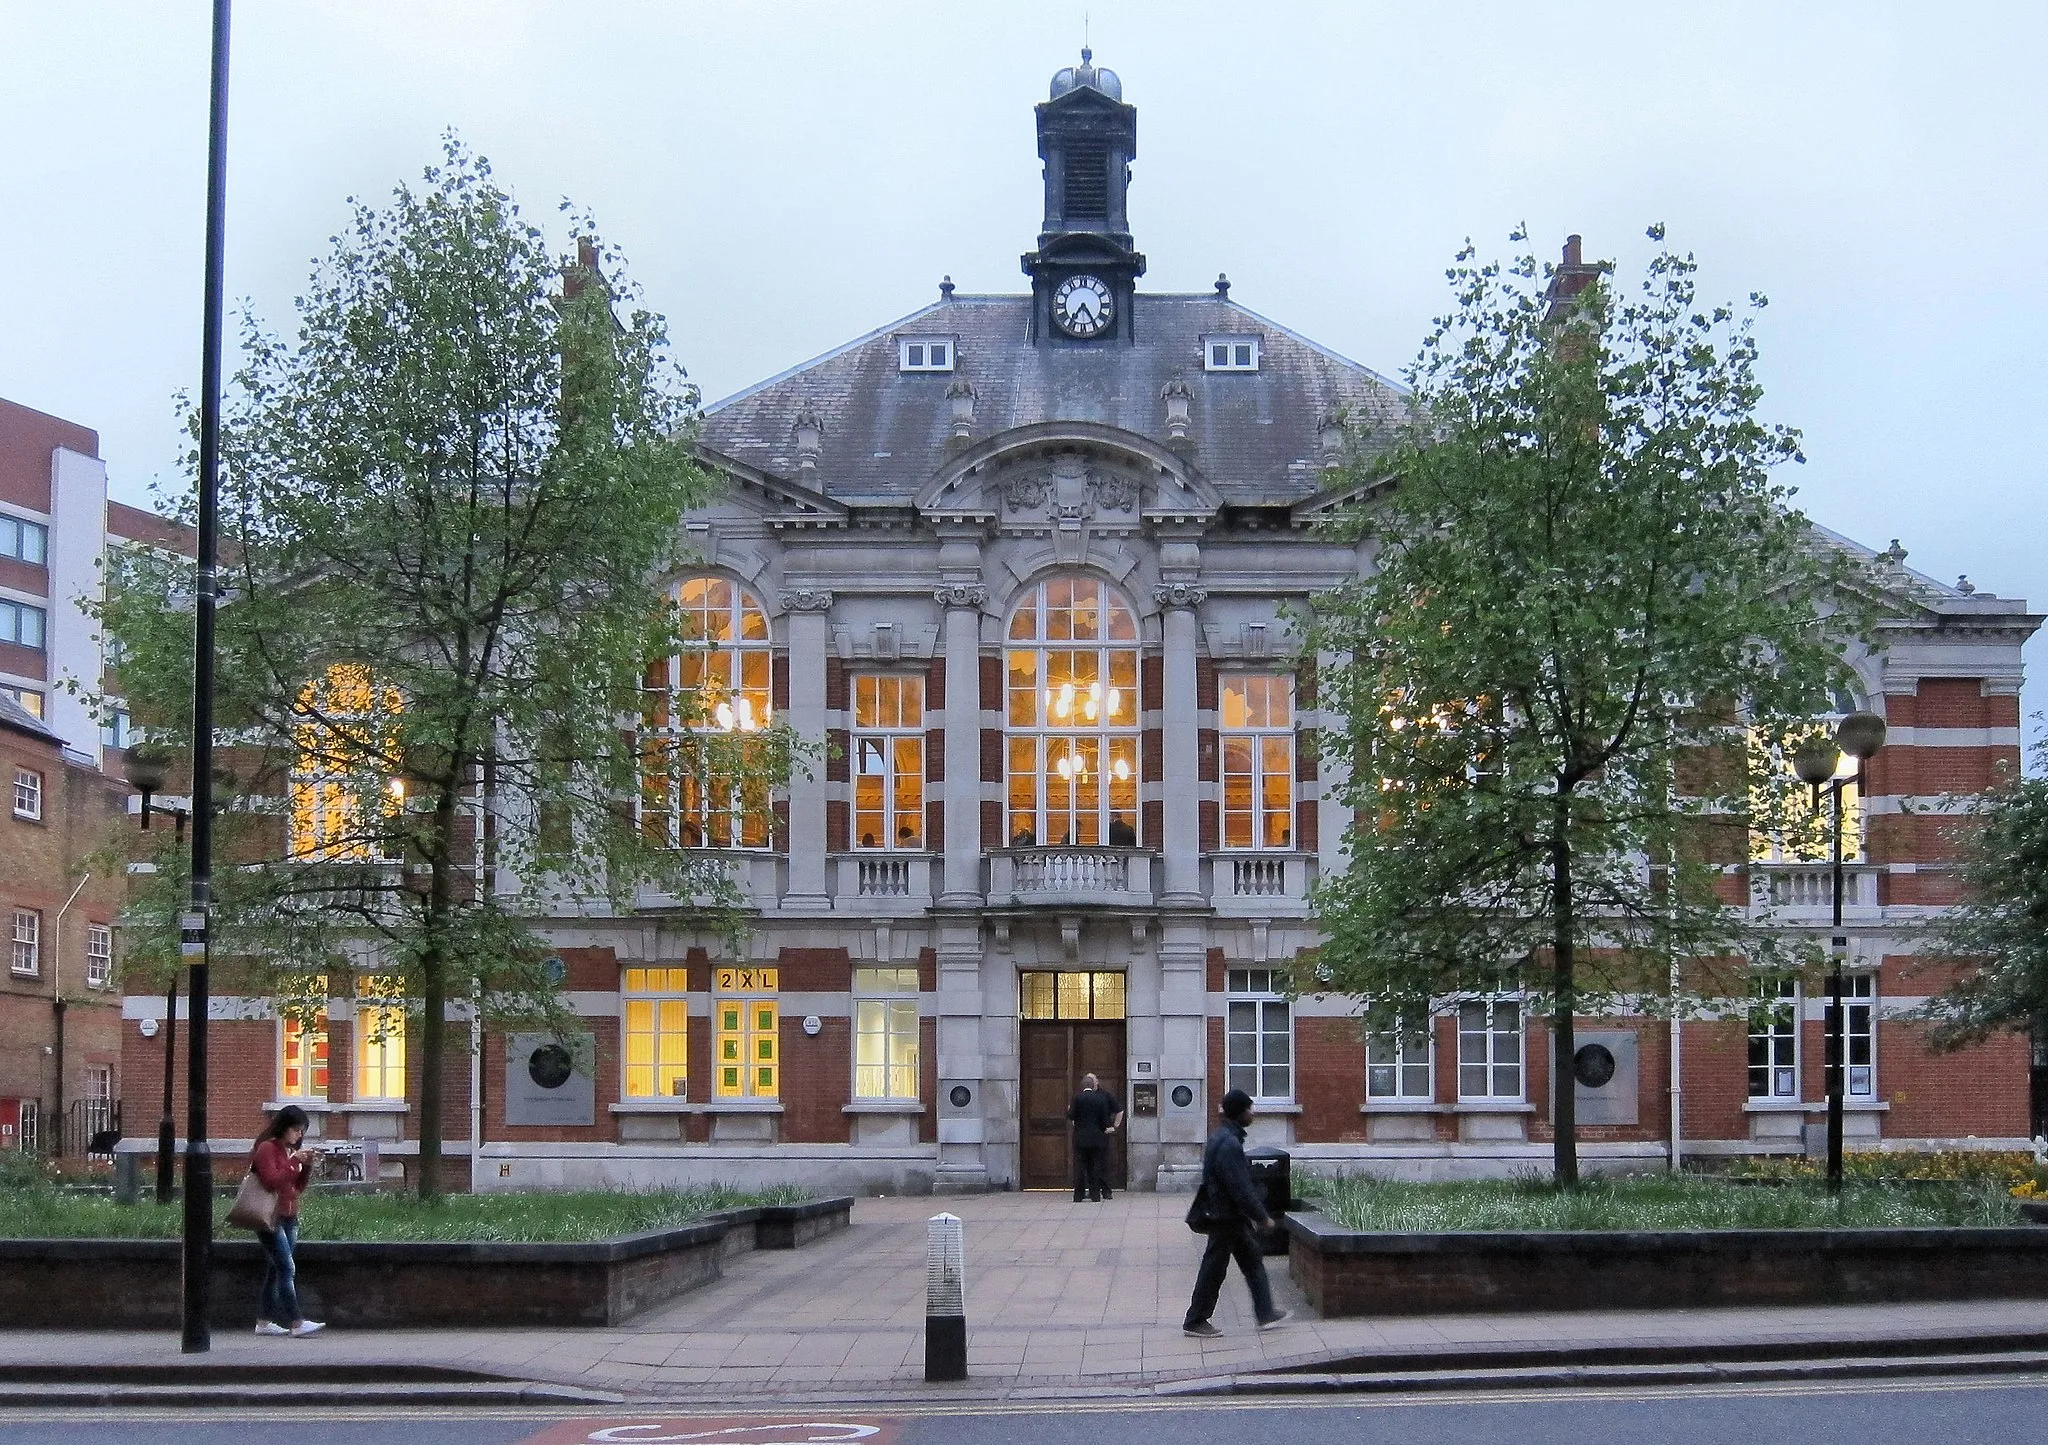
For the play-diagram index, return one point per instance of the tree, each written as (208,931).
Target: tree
(1586,589)
(450,506)
(2000,927)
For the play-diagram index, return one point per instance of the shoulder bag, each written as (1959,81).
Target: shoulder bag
(255,1206)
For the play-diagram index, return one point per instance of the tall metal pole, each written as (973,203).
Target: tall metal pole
(1837,946)
(166,1126)
(194,932)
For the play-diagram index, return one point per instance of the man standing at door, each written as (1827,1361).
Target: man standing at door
(1096,1115)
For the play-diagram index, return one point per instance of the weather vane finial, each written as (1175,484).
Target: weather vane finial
(1086,54)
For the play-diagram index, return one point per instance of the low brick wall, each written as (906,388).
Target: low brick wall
(98,1284)
(1350,1275)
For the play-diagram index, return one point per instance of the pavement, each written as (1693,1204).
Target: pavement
(1064,1301)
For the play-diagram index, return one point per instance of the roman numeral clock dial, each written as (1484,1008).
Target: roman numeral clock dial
(1082,306)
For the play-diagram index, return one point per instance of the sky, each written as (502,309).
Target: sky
(785,176)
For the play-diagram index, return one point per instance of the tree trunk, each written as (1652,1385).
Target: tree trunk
(434,991)
(1564,1045)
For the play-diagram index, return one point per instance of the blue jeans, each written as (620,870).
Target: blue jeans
(281,1277)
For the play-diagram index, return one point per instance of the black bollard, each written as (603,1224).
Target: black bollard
(945,1299)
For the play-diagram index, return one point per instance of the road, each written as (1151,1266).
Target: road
(1953,1412)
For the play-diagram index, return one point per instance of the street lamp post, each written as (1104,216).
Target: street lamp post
(148,769)
(1819,764)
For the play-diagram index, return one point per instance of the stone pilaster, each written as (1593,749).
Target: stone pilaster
(807,610)
(1180,722)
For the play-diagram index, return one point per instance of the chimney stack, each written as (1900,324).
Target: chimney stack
(1572,276)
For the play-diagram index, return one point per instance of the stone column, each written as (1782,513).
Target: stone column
(963,1066)
(963,603)
(807,610)
(1180,726)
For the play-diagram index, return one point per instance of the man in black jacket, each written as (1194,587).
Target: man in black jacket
(1096,1114)
(1230,1204)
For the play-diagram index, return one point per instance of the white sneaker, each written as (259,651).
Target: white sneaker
(268,1327)
(306,1327)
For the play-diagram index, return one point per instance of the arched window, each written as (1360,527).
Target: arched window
(694,792)
(1073,716)
(344,744)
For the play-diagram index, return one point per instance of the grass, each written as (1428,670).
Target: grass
(1647,1203)
(40,1213)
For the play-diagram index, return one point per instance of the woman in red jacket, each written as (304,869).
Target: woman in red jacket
(285,1169)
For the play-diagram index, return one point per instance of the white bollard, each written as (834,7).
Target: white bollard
(945,1299)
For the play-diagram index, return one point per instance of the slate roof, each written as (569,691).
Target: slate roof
(13,715)
(886,431)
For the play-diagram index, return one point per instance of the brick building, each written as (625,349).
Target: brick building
(60,1009)
(1024,562)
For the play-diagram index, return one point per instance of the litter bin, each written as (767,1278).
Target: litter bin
(1273,1176)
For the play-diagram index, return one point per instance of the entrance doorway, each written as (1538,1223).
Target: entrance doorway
(1070,1024)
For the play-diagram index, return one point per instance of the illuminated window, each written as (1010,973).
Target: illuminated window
(345,741)
(885,1033)
(99,955)
(888,762)
(1787,828)
(1490,1049)
(1774,1039)
(1073,717)
(657,1020)
(31,701)
(1098,995)
(747,1036)
(1258,1035)
(1258,760)
(695,705)
(1400,1064)
(380,1038)
(302,1052)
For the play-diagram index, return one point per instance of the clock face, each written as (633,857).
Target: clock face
(1083,306)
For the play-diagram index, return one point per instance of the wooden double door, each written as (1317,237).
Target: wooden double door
(1054,1057)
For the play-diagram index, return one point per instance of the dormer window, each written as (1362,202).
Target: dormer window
(927,353)
(1230,353)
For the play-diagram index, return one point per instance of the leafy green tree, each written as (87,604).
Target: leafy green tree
(1585,590)
(449,509)
(2000,928)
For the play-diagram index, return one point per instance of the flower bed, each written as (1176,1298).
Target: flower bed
(414,1283)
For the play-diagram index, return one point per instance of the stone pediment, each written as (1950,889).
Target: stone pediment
(1046,478)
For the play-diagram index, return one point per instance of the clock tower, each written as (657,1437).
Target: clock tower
(1085,271)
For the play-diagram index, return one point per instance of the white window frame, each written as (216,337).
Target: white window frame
(1253,995)
(729,669)
(26,960)
(1258,740)
(28,794)
(1482,1049)
(882,1007)
(877,752)
(1396,1045)
(750,989)
(19,619)
(308,1029)
(99,955)
(1859,1026)
(923,349)
(15,533)
(1240,352)
(1065,771)
(673,989)
(1778,1005)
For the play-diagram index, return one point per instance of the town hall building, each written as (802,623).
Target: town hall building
(1026,566)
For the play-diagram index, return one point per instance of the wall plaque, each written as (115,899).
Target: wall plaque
(548,1080)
